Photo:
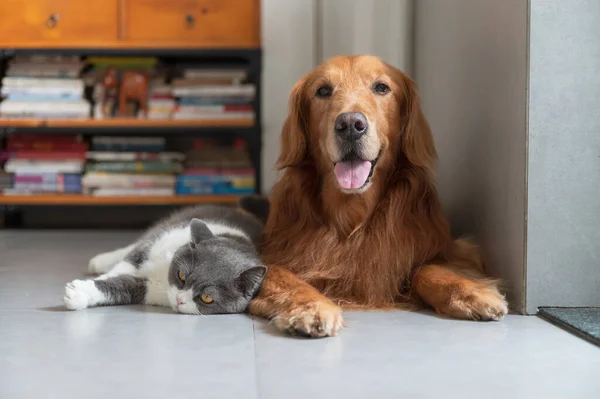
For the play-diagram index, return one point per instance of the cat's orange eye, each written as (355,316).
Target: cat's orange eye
(181,276)
(206,298)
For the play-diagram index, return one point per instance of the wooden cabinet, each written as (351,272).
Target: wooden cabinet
(130,23)
(30,23)
(207,23)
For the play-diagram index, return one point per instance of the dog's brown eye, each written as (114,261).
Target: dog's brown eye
(324,91)
(381,88)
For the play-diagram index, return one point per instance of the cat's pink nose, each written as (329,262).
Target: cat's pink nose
(179,301)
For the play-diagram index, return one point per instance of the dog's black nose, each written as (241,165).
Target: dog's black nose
(351,125)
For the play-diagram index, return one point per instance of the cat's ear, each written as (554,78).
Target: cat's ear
(249,281)
(199,231)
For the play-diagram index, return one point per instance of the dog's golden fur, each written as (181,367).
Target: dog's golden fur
(377,248)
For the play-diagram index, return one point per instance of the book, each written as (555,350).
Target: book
(10,107)
(131,144)
(246,90)
(31,166)
(186,82)
(26,82)
(218,171)
(44,66)
(139,166)
(213,101)
(104,192)
(123,62)
(223,115)
(44,97)
(213,109)
(202,73)
(214,184)
(127,147)
(47,137)
(44,155)
(45,146)
(128,140)
(126,180)
(47,182)
(135,156)
(66,178)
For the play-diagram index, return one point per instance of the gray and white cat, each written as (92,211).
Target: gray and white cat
(201,260)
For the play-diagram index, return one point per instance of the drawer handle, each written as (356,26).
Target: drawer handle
(52,21)
(190,21)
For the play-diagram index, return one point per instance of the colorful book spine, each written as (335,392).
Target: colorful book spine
(212,101)
(246,90)
(128,147)
(43,97)
(126,180)
(47,182)
(29,166)
(135,156)
(44,155)
(143,166)
(117,192)
(214,184)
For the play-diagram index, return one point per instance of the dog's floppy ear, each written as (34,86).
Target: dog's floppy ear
(416,139)
(294,145)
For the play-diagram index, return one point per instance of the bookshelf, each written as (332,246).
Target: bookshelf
(224,32)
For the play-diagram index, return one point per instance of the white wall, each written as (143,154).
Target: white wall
(378,27)
(471,64)
(288,38)
(563,232)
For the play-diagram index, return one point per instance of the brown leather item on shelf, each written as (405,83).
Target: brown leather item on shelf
(134,86)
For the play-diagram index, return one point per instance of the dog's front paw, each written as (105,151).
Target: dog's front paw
(80,294)
(314,319)
(482,303)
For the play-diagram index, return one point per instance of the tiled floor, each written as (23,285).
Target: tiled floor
(138,352)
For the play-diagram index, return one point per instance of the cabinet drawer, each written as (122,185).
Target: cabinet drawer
(190,23)
(67,23)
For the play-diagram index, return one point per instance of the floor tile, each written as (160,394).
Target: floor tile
(420,355)
(131,352)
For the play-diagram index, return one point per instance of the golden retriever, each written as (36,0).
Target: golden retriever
(356,222)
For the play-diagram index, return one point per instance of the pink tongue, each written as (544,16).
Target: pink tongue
(352,174)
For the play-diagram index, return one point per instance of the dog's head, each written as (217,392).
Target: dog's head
(356,118)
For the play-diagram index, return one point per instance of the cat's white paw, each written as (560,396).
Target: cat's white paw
(79,294)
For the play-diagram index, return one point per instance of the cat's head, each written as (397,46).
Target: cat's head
(213,274)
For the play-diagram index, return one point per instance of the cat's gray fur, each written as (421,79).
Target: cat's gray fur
(214,247)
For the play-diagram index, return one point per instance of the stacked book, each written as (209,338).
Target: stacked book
(44,87)
(126,166)
(161,103)
(213,94)
(214,169)
(44,164)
